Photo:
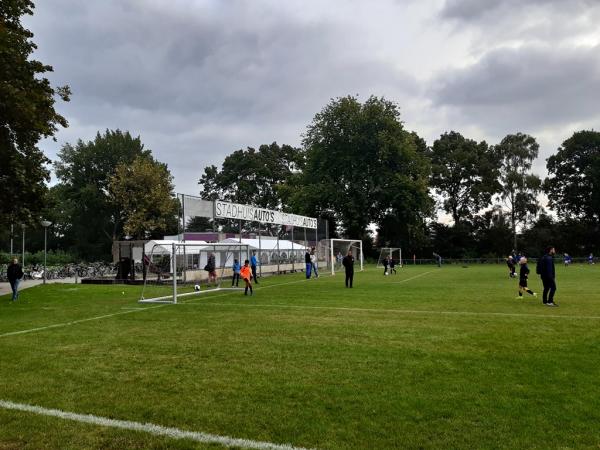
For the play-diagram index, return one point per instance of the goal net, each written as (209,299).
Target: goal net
(338,248)
(175,269)
(391,253)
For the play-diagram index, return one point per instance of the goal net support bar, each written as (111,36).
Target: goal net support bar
(186,265)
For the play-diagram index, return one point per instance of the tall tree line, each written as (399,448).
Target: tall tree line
(358,167)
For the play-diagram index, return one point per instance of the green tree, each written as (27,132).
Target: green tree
(492,233)
(92,219)
(520,187)
(363,167)
(573,184)
(27,115)
(142,191)
(464,173)
(252,177)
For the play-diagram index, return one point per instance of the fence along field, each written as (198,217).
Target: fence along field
(427,358)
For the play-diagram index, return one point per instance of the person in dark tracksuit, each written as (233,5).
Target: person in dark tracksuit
(14,273)
(348,263)
(546,271)
(385,265)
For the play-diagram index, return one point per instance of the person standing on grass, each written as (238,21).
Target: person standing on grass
(235,281)
(545,268)
(591,258)
(308,263)
(348,263)
(510,262)
(211,268)
(253,264)
(523,275)
(14,273)
(313,262)
(385,265)
(392,265)
(247,277)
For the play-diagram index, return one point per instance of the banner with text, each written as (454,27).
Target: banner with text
(226,210)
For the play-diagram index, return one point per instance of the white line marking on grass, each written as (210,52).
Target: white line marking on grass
(412,278)
(400,311)
(128,311)
(156,430)
(65,324)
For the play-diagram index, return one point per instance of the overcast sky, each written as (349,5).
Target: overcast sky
(199,79)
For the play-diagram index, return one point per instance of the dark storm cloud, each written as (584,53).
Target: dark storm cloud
(526,88)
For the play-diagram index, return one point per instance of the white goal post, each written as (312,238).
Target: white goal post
(178,269)
(339,248)
(393,252)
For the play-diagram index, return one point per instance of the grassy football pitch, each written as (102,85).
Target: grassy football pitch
(427,358)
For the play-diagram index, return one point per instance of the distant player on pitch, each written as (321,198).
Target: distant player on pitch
(246,275)
(523,276)
(510,262)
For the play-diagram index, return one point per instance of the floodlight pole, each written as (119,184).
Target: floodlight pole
(332,263)
(293,254)
(174,265)
(45,224)
(23,255)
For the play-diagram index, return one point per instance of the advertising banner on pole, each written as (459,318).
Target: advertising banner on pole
(227,210)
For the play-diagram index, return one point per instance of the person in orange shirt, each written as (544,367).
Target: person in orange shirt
(246,276)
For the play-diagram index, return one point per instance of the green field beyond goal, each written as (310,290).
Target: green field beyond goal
(427,358)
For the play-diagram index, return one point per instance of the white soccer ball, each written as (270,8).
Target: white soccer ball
(197,287)
(386,273)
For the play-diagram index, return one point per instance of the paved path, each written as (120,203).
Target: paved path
(5,287)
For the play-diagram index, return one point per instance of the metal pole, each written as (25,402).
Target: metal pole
(23,255)
(174,266)
(293,253)
(11,239)
(316,244)
(45,251)
(331,251)
(278,254)
(259,251)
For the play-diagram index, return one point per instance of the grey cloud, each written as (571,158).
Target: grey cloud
(200,80)
(469,10)
(525,88)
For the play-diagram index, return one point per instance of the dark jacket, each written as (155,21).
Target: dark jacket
(211,263)
(14,272)
(546,267)
(348,263)
(307,258)
(523,272)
